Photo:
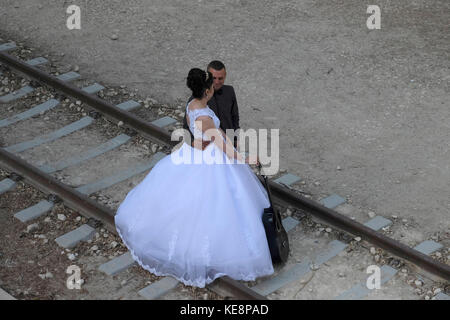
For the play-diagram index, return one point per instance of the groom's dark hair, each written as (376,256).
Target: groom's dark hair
(216,65)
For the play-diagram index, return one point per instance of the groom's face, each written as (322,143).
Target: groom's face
(218,77)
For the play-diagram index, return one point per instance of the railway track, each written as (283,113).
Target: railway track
(65,197)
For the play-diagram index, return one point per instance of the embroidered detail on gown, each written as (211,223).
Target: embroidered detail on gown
(197,222)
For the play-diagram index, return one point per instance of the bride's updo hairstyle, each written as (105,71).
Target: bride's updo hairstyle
(198,81)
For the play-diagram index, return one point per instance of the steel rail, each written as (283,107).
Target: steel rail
(148,130)
(344,223)
(281,194)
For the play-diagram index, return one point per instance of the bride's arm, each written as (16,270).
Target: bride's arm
(225,137)
(220,139)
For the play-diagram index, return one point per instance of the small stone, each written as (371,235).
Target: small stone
(317,183)
(328,230)
(358,239)
(49,275)
(47,219)
(124,282)
(373,251)
(371,214)
(71,256)
(418,283)
(114,244)
(394,217)
(94,248)
(417,291)
(105,235)
(338,168)
(78,218)
(205,296)
(313,267)
(437,290)
(78,103)
(114,37)
(46,118)
(404,220)
(61,217)
(427,297)
(341,275)
(120,123)
(438,254)
(76,68)
(377,258)
(404,271)
(32,227)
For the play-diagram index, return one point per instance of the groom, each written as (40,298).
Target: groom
(223,102)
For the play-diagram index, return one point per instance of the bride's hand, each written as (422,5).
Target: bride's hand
(252,160)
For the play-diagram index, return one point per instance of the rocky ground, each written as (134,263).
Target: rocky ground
(362,113)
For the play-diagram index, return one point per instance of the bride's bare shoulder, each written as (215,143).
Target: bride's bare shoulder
(193,105)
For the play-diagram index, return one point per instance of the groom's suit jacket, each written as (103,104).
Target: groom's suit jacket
(224,105)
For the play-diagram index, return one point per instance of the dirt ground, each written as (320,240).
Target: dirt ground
(374,103)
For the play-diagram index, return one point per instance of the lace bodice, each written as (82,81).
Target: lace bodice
(194,114)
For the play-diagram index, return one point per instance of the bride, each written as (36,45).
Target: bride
(198,221)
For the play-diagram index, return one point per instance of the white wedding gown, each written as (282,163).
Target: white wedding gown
(197,222)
